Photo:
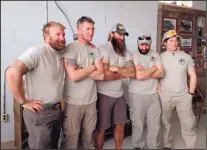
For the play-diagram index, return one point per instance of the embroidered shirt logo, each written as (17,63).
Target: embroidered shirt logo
(181,61)
(152,59)
(92,57)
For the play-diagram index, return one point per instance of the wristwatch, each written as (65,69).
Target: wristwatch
(190,93)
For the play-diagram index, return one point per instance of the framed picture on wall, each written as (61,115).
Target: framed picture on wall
(186,42)
(186,26)
(199,61)
(169,24)
(201,21)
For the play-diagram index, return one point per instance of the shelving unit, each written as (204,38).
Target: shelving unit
(176,17)
(184,21)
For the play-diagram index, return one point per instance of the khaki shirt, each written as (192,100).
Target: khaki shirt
(148,86)
(45,80)
(81,92)
(113,88)
(176,65)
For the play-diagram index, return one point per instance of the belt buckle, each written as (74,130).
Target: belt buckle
(57,106)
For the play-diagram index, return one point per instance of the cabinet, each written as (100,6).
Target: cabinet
(185,22)
(190,25)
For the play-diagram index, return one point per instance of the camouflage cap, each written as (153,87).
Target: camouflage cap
(119,28)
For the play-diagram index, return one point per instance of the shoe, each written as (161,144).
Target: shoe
(166,148)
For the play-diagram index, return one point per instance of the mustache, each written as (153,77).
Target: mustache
(59,41)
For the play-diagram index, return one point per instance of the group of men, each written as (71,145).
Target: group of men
(89,79)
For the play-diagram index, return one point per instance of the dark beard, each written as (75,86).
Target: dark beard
(119,48)
(143,53)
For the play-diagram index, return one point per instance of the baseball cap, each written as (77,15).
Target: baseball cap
(169,34)
(119,28)
(145,38)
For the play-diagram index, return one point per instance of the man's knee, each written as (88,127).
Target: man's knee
(70,141)
(119,127)
(188,124)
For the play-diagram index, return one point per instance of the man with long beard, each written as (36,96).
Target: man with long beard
(144,100)
(111,104)
(43,69)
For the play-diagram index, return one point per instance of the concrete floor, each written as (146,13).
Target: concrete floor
(178,142)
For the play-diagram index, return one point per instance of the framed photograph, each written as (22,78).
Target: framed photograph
(201,21)
(199,61)
(186,42)
(169,24)
(186,26)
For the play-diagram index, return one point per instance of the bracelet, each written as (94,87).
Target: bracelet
(190,93)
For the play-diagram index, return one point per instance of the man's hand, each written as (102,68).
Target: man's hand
(33,105)
(139,67)
(113,69)
(92,67)
(158,86)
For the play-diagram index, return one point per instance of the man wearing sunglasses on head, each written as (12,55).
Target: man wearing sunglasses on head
(174,91)
(144,100)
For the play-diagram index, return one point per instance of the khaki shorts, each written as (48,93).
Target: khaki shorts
(110,110)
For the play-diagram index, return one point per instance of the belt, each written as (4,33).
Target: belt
(51,106)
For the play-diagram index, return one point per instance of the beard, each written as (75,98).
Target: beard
(119,46)
(143,52)
(57,44)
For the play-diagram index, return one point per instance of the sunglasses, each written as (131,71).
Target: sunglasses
(146,38)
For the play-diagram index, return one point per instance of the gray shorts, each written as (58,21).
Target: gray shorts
(110,110)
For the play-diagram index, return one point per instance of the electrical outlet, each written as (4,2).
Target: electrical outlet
(4,117)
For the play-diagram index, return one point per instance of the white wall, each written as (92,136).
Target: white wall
(201,5)
(22,21)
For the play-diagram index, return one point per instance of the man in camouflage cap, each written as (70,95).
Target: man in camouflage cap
(111,104)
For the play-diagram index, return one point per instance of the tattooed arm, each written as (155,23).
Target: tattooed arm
(15,83)
(129,71)
(75,73)
(108,74)
(15,79)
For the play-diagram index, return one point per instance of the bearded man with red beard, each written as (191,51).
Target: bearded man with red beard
(111,105)
(43,69)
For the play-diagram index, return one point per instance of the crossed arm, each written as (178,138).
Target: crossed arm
(76,73)
(127,72)
(155,72)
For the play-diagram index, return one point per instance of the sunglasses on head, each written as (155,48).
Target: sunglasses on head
(146,38)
